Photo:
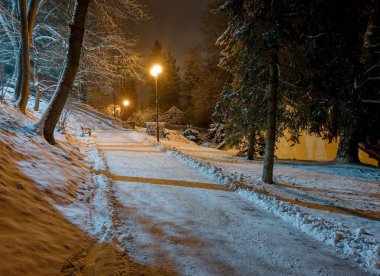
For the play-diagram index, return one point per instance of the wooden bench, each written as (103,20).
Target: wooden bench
(86,130)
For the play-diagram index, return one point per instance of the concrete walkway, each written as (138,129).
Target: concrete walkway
(179,219)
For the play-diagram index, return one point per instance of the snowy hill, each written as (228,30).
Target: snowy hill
(43,188)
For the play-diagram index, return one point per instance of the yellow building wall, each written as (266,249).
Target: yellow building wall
(313,148)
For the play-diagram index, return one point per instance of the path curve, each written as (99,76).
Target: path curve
(174,217)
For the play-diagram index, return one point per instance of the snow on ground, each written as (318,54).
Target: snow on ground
(330,203)
(55,214)
(77,216)
(35,238)
(182,219)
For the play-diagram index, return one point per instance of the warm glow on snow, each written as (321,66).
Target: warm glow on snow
(209,137)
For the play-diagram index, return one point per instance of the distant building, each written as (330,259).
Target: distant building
(113,110)
(174,116)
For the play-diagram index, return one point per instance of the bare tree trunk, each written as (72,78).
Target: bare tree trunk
(27,19)
(49,119)
(271,119)
(251,144)
(348,149)
(37,85)
(18,87)
(114,104)
(2,80)
(24,74)
(82,92)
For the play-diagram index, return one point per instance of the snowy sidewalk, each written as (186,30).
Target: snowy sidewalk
(177,218)
(331,203)
(346,193)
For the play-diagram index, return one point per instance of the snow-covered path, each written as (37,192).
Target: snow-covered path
(176,218)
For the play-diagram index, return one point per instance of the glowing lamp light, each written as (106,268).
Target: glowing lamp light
(156,70)
(126,103)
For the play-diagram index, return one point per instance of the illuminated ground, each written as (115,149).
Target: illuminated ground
(181,219)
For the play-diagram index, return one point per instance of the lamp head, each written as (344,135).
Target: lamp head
(125,102)
(156,70)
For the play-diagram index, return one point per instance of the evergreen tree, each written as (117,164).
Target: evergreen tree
(169,81)
(306,65)
(205,95)
(191,77)
(344,61)
(258,43)
(203,80)
(157,55)
(170,88)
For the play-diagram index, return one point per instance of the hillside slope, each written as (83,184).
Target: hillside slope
(36,179)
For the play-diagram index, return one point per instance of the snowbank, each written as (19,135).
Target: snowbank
(354,244)
(357,246)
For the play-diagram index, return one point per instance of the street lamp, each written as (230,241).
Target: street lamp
(155,71)
(125,103)
(123,111)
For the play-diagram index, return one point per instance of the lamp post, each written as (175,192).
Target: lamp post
(155,71)
(125,105)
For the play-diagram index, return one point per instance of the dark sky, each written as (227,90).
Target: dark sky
(175,24)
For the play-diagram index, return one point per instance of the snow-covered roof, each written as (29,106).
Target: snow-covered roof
(174,109)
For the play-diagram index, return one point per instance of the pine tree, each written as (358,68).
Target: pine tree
(203,80)
(308,66)
(191,77)
(343,60)
(205,95)
(258,43)
(157,55)
(169,81)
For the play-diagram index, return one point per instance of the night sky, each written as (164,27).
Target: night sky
(175,24)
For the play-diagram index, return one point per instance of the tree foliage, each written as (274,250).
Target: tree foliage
(203,79)
(259,51)
(169,81)
(343,62)
(109,55)
(297,66)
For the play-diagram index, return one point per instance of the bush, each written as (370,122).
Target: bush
(216,133)
(192,135)
(143,116)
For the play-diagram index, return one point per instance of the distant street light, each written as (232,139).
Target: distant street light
(125,103)
(155,71)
